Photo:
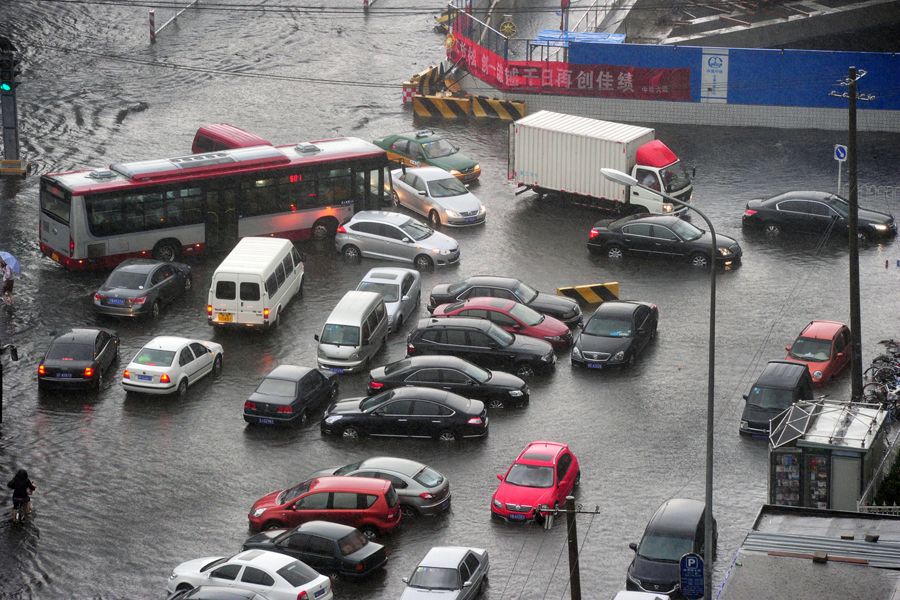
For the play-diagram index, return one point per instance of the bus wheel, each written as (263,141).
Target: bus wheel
(166,250)
(324,228)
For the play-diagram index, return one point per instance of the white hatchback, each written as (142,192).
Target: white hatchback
(167,365)
(438,195)
(274,575)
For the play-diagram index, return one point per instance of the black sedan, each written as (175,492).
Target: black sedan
(495,388)
(815,212)
(408,412)
(615,334)
(326,547)
(288,394)
(78,358)
(666,236)
(141,287)
(481,286)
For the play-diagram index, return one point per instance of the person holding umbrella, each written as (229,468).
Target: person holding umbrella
(8,266)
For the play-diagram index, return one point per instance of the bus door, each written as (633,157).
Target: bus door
(221,220)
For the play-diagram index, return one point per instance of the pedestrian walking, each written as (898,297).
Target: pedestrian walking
(22,489)
(7,271)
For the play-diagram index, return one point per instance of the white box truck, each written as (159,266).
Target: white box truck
(563,154)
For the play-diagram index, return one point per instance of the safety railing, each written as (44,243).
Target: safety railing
(466,24)
(864,504)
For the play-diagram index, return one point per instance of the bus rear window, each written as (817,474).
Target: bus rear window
(55,203)
(225,290)
(249,290)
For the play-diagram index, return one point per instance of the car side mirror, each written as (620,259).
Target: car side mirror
(641,331)
(746,397)
(633,546)
(500,476)
(407,240)
(421,192)
(840,355)
(302,257)
(405,579)
(788,347)
(316,337)
(467,584)
(467,185)
(405,298)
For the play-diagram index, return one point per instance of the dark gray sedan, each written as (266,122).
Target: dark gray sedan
(288,395)
(142,287)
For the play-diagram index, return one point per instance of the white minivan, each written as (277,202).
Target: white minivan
(254,283)
(353,333)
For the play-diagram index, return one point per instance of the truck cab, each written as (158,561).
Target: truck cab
(658,168)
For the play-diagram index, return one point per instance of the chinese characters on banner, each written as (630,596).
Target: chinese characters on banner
(608,81)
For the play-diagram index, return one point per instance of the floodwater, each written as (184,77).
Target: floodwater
(128,488)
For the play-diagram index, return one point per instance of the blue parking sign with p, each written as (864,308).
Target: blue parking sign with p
(691,572)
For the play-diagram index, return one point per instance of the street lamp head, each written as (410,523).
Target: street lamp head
(618,176)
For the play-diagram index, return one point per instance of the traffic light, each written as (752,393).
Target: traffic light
(9,64)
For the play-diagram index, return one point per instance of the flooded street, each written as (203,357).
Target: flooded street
(130,487)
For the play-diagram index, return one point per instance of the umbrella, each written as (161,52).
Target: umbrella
(12,261)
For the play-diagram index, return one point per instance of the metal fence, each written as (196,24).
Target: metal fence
(466,24)
(884,468)
(877,197)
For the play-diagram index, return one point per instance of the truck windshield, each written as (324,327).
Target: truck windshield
(675,177)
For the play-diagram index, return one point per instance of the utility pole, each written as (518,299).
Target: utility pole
(11,163)
(572,532)
(13,354)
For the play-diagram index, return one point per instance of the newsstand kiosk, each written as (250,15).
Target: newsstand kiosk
(822,454)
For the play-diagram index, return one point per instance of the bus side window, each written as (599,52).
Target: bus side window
(105,215)
(288,265)
(279,273)
(271,285)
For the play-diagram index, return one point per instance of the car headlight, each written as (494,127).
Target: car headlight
(554,338)
(321,352)
(452,213)
(745,424)
(880,227)
(332,419)
(455,173)
(258,512)
(482,209)
(576,352)
(817,375)
(635,579)
(354,356)
(724,252)
(445,252)
(620,355)
(515,393)
(173,575)
(497,503)
(547,357)
(668,207)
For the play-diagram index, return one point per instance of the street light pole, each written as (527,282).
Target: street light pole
(628,180)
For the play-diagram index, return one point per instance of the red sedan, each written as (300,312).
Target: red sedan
(824,346)
(543,474)
(513,317)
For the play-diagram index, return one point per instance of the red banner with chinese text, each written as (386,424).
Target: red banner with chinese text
(604,81)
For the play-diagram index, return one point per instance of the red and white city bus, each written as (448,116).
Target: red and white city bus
(182,206)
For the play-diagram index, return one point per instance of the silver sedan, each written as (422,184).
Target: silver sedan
(434,193)
(401,290)
(448,573)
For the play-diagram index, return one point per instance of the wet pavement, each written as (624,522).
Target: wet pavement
(129,487)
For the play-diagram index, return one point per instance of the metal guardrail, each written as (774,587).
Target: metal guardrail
(468,25)
(884,467)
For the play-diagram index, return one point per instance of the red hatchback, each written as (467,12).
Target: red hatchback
(513,317)
(543,474)
(371,505)
(824,347)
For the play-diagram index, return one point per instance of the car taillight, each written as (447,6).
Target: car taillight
(209,310)
(426,496)
(98,297)
(376,385)
(71,247)
(126,374)
(249,405)
(42,370)
(749,212)
(164,378)
(266,314)
(302,596)
(593,234)
(284,410)
(88,372)
(475,421)
(410,349)
(139,300)
(341,229)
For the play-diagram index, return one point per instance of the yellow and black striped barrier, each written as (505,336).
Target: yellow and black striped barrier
(594,293)
(12,167)
(494,108)
(447,107)
(430,81)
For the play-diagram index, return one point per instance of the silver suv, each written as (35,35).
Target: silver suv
(393,236)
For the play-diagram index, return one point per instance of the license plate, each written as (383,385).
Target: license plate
(335,369)
(471,219)
(320,592)
(55,256)
(145,377)
(116,301)
(64,375)
(264,421)
(515,517)
(594,365)
(445,503)
(225,317)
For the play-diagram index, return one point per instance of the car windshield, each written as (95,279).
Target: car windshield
(347,468)
(127,280)
(277,387)
(352,542)
(429,477)
(397,366)
(65,351)
(390,292)
(525,293)
(810,349)
(457,287)
(439,148)
(839,204)
(434,578)
(504,338)
(675,177)
(340,335)
(477,373)
(533,476)
(665,547)
(685,230)
(297,573)
(446,188)
(291,493)
(154,358)
(370,403)
(416,231)
(608,327)
(526,315)
(764,397)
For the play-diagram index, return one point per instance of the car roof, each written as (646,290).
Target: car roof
(536,449)
(168,342)
(781,374)
(617,307)
(78,336)
(400,465)
(387,274)
(353,306)
(476,280)
(801,195)
(641,218)
(485,303)
(455,322)
(326,528)
(821,330)
(677,517)
(444,556)
(340,483)
(380,216)
(454,401)
(262,558)
(138,265)
(435,360)
(429,173)
(421,135)
(289,372)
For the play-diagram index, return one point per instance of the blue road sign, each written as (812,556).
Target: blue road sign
(840,153)
(691,572)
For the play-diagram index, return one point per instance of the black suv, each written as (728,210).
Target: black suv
(780,384)
(481,342)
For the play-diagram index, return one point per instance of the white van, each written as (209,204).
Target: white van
(353,333)
(254,283)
